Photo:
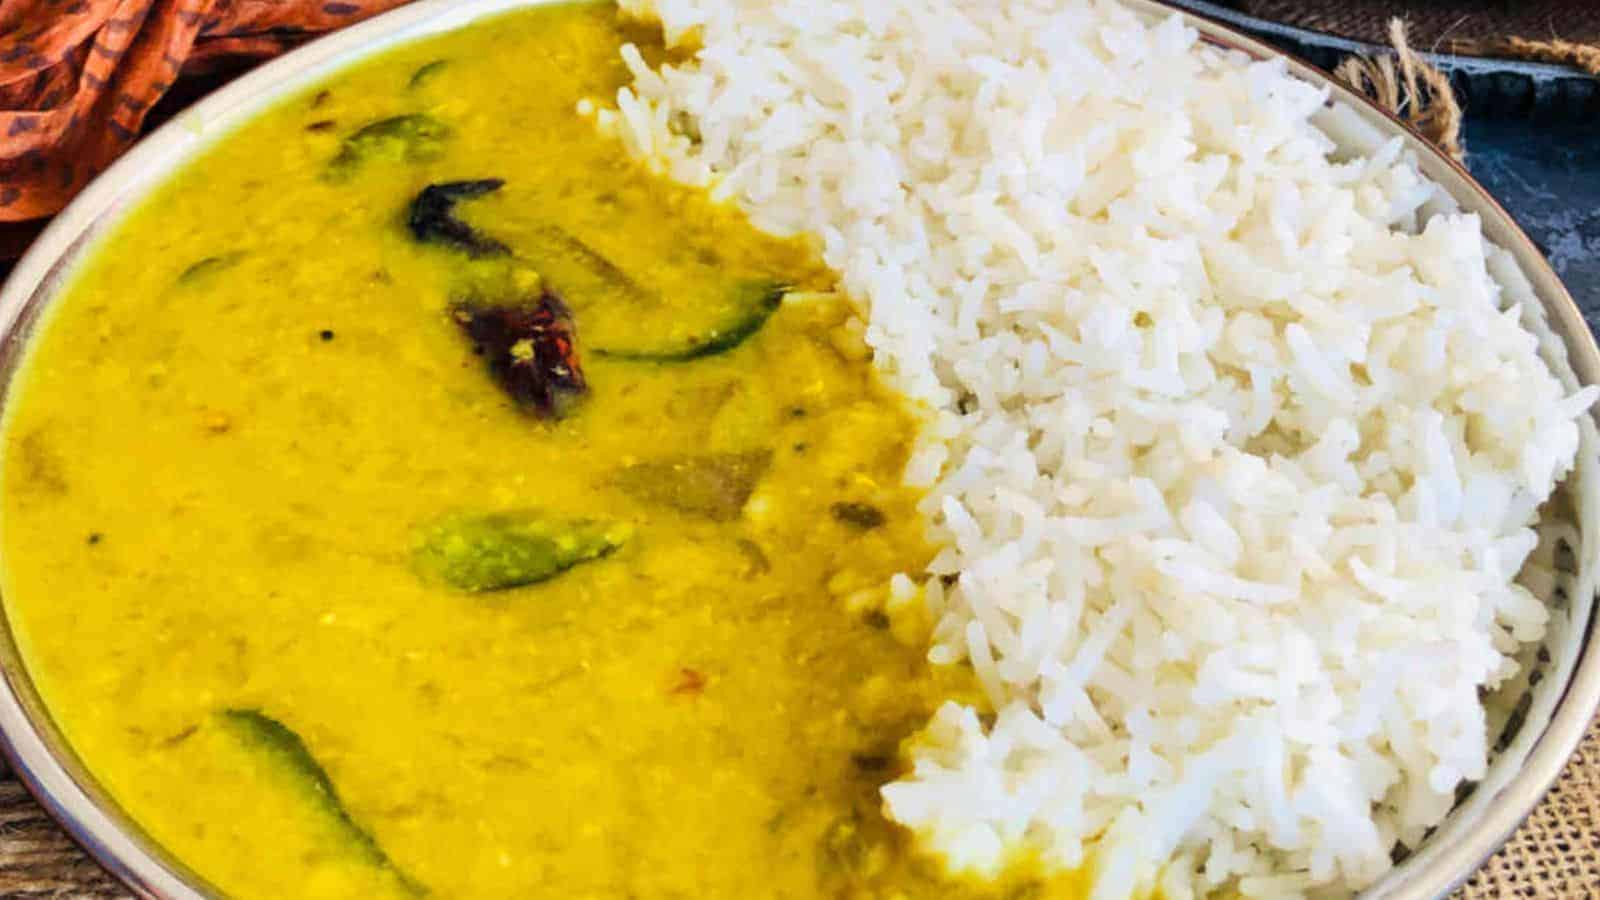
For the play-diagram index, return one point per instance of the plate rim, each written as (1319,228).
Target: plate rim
(35,747)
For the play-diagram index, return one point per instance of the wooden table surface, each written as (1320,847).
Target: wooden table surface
(36,857)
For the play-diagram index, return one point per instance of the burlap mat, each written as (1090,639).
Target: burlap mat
(1556,853)
(1559,31)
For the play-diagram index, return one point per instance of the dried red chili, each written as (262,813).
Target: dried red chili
(531,349)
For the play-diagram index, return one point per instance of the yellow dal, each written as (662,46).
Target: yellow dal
(209,504)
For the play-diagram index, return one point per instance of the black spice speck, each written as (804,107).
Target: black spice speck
(871,762)
(864,516)
(326,334)
(95,537)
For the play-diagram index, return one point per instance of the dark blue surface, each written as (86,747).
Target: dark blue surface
(1548,175)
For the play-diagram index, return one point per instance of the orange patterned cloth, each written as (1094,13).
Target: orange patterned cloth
(77,77)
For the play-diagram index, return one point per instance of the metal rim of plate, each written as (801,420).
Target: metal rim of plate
(45,762)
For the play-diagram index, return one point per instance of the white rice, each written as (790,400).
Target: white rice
(1234,449)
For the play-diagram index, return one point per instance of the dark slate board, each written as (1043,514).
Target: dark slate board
(1548,176)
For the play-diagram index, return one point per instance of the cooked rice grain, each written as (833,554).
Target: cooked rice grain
(1234,447)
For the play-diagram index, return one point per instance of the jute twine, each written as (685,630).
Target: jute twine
(1555,854)
(1553,50)
(1565,32)
(1408,87)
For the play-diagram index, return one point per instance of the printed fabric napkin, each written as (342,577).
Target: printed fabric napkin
(78,77)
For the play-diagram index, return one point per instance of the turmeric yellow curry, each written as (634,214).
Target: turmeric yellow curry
(417,497)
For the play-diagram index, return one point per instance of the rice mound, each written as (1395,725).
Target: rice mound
(1234,446)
